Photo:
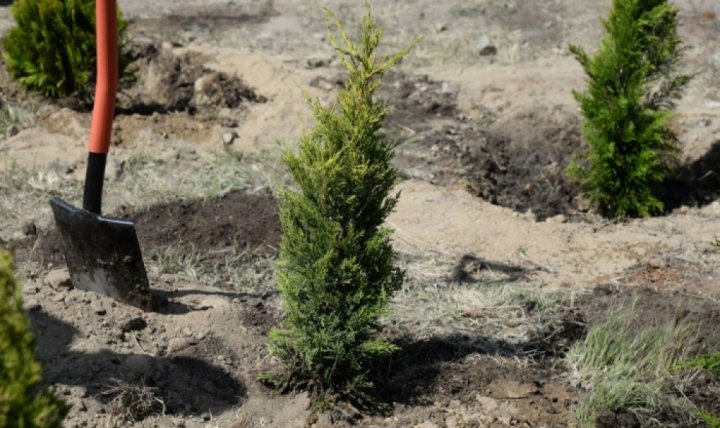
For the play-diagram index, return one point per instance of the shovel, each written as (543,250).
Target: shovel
(102,253)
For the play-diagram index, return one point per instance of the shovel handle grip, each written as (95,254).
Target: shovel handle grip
(107,75)
(104,106)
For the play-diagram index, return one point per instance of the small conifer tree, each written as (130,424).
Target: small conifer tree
(336,272)
(633,84)
(22,404)
(51,49)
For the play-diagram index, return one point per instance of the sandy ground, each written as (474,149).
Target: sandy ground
(278,49)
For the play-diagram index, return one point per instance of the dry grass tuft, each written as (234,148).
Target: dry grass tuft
(133,403)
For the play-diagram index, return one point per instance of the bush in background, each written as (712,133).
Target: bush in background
(632,86)
(336,272)
(51,49)
(22,403)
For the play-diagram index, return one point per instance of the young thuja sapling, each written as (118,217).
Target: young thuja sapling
(336,273)
(633,83)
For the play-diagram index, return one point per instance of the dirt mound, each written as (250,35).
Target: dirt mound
(164,82)
(237,220)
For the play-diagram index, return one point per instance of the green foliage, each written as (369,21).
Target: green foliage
(21,404)
(336,272)
(51,49)
(708,362)
(632,87)
(712,421)
(629,371)
(711,364)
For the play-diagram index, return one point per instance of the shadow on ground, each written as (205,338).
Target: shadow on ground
(460,363)
(187,385)
(696,183)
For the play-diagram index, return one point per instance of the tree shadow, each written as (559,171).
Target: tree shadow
(419,368)
(696,183)
(188,385)
(473,269)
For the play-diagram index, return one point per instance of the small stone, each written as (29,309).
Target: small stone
(134,324)
(318,62)
(140,364)
(98,308)
(229,137)
(449,89)
(704,122)
(322,83)
(656,263)
(58,278)
(166,45)
(513,389)
(60,167)
(426,424)
(558,219)
(454,404)
(78,404)
(484,47)
(177,344)
(187,332)
(440,27)
(29,229)
(488,404)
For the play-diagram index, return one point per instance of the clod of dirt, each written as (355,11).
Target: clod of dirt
(260,317)
(133,324)
(617,420)
(164,82)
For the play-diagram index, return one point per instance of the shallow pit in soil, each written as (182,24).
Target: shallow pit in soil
(518,161)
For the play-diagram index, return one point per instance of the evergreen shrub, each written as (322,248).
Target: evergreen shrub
(22,403)
(52,49)
(632,86)
(336,273)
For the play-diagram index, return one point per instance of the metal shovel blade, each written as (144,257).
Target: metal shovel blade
(103,254)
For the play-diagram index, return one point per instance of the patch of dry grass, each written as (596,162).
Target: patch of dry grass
(246,270)
(492,303)
(132,403)
(628,371)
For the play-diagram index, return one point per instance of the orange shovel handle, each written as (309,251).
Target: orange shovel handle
(107,76)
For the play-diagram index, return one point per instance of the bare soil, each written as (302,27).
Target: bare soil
(507,266)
